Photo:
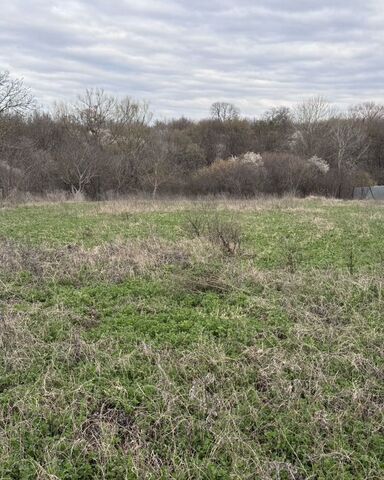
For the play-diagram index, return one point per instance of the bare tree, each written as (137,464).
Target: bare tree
(95,110)
(14,96)
(132,112)
(15,99)
(371,116)
(130,133)
(312,111)
(77,164)
(158,168)
(109,128)
(368,111)
(311,121)
(349,143)
(224,111)
(273,131)
(278,116)
(106,118)
(78,153)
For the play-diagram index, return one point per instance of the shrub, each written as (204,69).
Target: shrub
(289,173)
(222,232)
(241,175)
(226,234)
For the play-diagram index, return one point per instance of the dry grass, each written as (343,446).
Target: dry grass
(112,262)
(139,205)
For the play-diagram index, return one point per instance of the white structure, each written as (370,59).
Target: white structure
(369,193)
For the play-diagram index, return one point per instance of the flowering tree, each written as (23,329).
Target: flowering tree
(320,164)
(253,158)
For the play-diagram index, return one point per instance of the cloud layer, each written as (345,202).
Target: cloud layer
(183,55)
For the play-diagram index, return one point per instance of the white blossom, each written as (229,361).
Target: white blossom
(254,158)
(319,163)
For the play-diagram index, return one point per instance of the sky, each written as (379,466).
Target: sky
(183,55)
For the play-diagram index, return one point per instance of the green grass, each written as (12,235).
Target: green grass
(132,349)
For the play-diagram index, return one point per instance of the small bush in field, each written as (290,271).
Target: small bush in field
(196,225)
(222,232)
(226,234)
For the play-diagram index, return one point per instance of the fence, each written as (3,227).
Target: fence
(369,193)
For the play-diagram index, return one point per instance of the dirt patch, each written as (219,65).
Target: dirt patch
(109,420)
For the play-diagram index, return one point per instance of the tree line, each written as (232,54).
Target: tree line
(101,146)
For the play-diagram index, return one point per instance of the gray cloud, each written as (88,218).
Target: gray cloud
(183,55)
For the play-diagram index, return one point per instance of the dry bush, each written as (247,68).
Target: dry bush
(196,225)
(287,173)
(222,232)
(232,176)
(226,233)
(58,196)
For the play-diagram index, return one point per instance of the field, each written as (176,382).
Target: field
(192,340)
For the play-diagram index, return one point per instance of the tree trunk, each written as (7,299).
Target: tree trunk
(154,191)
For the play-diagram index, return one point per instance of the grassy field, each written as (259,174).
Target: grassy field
(192,340)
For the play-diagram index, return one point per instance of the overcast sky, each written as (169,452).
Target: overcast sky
(182,55)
